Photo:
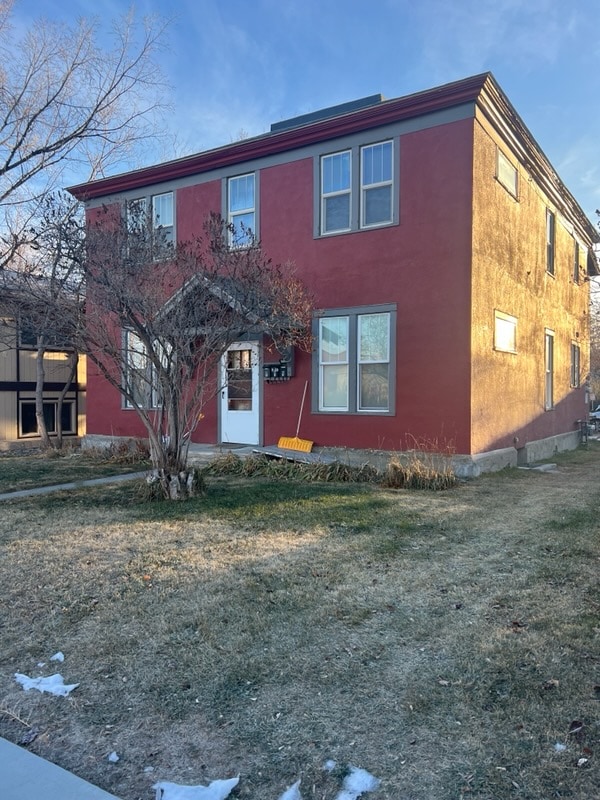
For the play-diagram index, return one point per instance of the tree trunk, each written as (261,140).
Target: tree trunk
(40,377)
(72,359)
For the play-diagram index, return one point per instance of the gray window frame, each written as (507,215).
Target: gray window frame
(355,148)
(353,313)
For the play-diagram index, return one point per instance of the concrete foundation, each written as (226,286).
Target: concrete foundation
(464,466)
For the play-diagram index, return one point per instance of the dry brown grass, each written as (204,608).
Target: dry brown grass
(443,641)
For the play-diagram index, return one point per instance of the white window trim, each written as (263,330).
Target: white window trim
(504,166)
(339,193)
(548,369)
(151,224)
(364,188)
(500,316)
(355,191)
(353,314)
(149,378)
(233,215)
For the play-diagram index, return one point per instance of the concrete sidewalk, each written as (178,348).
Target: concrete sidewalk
(199,455)
(25,776)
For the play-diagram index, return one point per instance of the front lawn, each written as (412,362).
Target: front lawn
(446,642)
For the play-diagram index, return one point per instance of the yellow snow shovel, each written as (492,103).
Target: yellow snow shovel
(293,442)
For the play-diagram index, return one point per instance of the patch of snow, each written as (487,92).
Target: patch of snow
(356,783)
(113,757)
(560,747)
(292,793)
(58,656)
(329,765)
(216,790)
(53,684)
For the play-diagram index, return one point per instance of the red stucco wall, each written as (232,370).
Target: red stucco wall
(422,265)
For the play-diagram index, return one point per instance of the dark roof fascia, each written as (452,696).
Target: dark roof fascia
(388,111)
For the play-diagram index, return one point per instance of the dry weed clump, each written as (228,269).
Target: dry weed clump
(129,451)
(415,473)
(419,471)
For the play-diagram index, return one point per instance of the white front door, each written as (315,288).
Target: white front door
(240,417)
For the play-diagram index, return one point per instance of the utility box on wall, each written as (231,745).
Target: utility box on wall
(282,370)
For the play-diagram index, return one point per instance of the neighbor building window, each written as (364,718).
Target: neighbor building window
(507,174)
(549,370)
(505,332)
(139,375)
(575,261)
(336,192)
(354,365)
(241,210)
(28,425)
(550,240)
(376,184)
(575,365)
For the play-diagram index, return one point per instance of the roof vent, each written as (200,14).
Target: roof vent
(327,113)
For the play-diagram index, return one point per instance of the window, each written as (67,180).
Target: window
(576,262)
(505,332)
(357,189)
(376,184)
(160,225)
(139,375)
(507,174)
(354,364)
(575,365)
(28,420)
(52,340)
(549,370)
(550,236)
(336,193)
(241,210)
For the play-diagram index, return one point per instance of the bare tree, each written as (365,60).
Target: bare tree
(66,104)
(160,317)
(45,298)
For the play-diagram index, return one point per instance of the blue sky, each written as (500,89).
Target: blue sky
(236,66)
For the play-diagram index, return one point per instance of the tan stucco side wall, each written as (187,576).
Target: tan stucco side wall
(509,275)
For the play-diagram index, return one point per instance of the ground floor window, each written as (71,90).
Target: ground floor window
(575,366)
(28,421)
(139,376)
(549,369)
(354,361)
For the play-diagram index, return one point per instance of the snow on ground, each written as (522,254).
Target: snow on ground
(217,790)
(357,782)
(53,684)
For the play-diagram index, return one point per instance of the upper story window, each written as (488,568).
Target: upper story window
(160,225)
(336,192)
(550,240)
(507,174)
(576,258)
(241,210)
(505,332)
(162,217)
(356,189)
(376,184)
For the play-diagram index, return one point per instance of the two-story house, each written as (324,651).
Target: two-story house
(449,266)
